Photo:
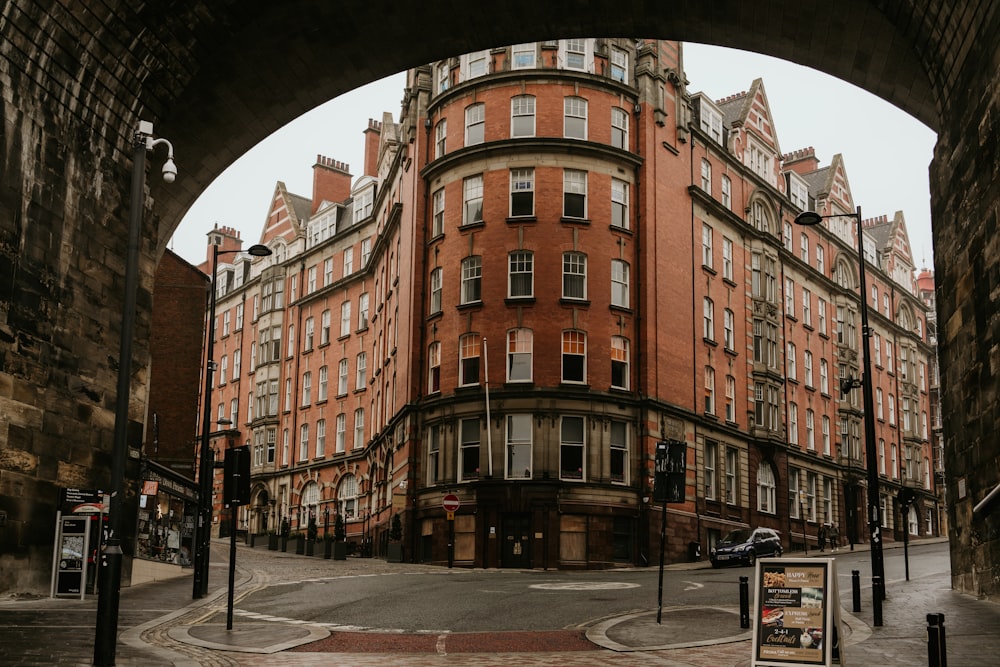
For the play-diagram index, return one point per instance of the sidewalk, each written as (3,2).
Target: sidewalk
(159,625)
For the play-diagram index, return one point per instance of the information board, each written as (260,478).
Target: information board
(796,612)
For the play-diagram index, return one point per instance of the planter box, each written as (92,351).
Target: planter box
(283,541)
(394,552)
(272,542)
(327,549)
(310,547)
(340,551)
(300,546)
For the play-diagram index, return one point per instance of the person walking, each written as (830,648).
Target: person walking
(821,536)
(834,536)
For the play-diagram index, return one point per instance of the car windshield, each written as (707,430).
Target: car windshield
(738,535)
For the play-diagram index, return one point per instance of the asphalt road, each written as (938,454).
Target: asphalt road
(461,600)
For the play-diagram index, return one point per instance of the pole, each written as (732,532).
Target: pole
(744,602)
(203,529)
(874,513)
(110,572)
(906,541)
(663,543)
(451,542)
(233,509)
(489,431)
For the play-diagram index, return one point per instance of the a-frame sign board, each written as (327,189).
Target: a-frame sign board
(796,617)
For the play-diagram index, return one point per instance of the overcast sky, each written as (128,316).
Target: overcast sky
(886,152)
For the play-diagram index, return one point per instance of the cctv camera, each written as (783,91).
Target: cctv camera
(169,171)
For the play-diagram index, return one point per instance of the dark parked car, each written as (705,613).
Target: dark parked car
(744,546)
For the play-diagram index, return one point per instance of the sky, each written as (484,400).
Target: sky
(886,152)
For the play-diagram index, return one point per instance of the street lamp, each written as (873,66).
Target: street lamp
(809,218)
(110,572)
(203,529)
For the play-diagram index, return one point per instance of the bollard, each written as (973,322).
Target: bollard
(877,598)
(856,589)
(936,654)
(744,602)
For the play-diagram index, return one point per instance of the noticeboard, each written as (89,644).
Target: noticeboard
(796,613)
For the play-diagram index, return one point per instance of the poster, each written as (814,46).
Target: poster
(796,607)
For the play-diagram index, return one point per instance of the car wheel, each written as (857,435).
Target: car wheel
(751,558)
(779,553)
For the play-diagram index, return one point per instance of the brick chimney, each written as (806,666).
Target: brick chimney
(802,161)
(373,137)
(227,238)
(331,181)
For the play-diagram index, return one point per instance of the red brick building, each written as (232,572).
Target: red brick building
(558,257)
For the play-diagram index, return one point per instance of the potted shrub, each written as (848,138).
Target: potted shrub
(339,537)
(394,553)
(285,530)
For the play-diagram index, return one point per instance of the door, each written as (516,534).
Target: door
(516,549)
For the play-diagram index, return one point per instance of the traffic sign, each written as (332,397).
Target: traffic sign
(450,502)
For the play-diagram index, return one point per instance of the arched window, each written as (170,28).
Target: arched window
(760,217)
(309,503)
(766,489)
(347,497)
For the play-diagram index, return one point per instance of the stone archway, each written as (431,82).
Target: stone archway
(218,77)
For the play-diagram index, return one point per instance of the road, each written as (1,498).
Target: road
(459,600)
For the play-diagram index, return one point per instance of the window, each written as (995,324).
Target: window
(619,283)
(441,138)
(361,371)
(519,352)
(234,410)
(727,192)
(434,368)
(436,280)
(523,56)
(619,128)
(811,496)
(347,496)
(728,330)
(706,176)
(363,311)
(348,261)
(288,394)
(727,258)
(366,251)
(789,297)
(574,356)
(307,388)
(730,399)
(574,193)
(437,223)
(820,262)
(824,376)
(619,452)
(810,430)
(574,53)
(804,248)
(575,118)
(807,362)
(879,412)
(239,317)
(574,275)
(794,494)
(443,76)
(328,271)
(519,446)
(706,246)
(345,318)
(881,456)
(709,390)
(223,369)
(793,423)
(711,469)
(619,362)
(522,192)
(468,369)
(359,429)
(475,124)
(304,442)
(469,449)
(522,116)
(342,373)
(433,454)
(341,437)
(766,490)
(321,438)
(520,276)
(792,364)
(732,475)
(238,357)
(619,65)
(826,436)
(324,328)
(472,279)
(619,203)
(708,319)
(571,447)
(806,307)
(226,321)
(821,315)
(759,217)
(472,196)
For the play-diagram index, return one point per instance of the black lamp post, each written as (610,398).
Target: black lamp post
(203,529)
(110,572)
(810,218)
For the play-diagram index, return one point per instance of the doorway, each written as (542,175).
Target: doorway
(516,549)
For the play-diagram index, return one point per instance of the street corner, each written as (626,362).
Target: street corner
(263,637)
(698,625)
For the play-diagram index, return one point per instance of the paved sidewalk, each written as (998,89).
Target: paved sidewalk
(159,625)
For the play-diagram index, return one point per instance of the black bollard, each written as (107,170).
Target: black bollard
(936,654)
(856,590)
(744,602)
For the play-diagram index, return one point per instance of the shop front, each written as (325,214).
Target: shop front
(168,507)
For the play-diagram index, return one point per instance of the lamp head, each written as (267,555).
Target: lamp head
(259,250)
(808,218)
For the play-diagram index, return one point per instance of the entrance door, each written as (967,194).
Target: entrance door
(516,543)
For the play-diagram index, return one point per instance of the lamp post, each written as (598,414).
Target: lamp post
(809,218)
(110,572)
(203,529)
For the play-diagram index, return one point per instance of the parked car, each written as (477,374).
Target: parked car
(745,545)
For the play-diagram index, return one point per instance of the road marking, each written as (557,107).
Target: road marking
(585,586)
(693,585)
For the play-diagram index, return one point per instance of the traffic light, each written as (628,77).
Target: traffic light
(236,476)
(847,384)
(670,472)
